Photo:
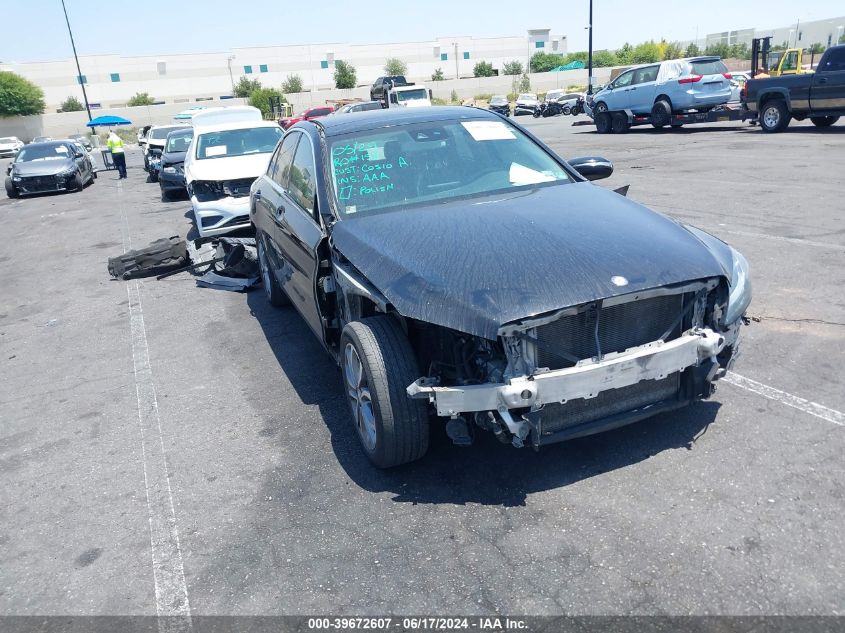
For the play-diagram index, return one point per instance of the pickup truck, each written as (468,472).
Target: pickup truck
(819,95)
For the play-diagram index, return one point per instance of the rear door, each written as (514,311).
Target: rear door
(641,92)
(827,93)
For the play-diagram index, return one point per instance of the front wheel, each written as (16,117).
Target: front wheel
(537,114)
(824,121)
(11,191)
(272,290)
(566,110)
(774,116)
(78,183)
(603,123)
(378,365)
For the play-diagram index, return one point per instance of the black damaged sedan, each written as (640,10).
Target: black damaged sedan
(461,273)
(49,166)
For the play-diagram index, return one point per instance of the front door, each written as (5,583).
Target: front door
(641,92)
(827,93)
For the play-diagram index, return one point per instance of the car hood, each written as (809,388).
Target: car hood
(10,145)
(232,168)
(42,167)
(170,158)
(476,265)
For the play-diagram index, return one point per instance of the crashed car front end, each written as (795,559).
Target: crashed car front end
(597,366)
(220,206)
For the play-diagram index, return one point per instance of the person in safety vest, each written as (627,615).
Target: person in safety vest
(115,146)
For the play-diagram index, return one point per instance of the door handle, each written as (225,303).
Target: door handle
(257,194)
(280,211)
(822,80)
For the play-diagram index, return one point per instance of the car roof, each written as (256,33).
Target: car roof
(173,125)
(235,125)
(371,119)
(53,143)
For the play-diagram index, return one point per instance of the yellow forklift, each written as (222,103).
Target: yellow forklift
(769,63)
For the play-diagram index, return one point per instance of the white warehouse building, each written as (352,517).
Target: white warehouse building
(110,80)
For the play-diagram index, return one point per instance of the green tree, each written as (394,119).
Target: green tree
(245,87)
(525,84)
(817,48)
(437,75)
(577,56)
(672,50)
(512,68)
(344,74)
(645,53)
(454,96)
(543,62)
(692,50)
(261,99)
(623,55)
(71,104)
(19,96)
(842,39)
(741,51)
(140,99)
(483,69)
(292,84)
(603,59)
(395,66)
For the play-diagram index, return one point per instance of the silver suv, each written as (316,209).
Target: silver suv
(662,89)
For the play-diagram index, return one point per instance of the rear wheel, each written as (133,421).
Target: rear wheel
(378,364)
(272,290)
(661,113)
(619,123)
(603,123)
(774,117)
(824,121)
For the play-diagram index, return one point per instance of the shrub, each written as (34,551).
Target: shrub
(525,84)
(439,102)
(261,99)
(437,75)
(645,53)
(512,68)
(483,69)
(344,74)
(602,59)
(692,50)
(19,96)
(544,62)
(623,55)
(454,96)
(483,97)
(245,87)
(71,104)
(395,66)
(292,84)
(140,99)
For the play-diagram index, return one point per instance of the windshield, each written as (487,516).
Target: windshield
(8,139)
(258,140)
(161,133)
(179,141)
(498,101)
(527,97)
(42,152)
(411,95)
(420,162)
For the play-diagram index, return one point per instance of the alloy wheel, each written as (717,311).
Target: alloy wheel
(360,398)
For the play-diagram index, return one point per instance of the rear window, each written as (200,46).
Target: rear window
(320,112)
(714,67)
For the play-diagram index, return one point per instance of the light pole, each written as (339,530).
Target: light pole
(78,69)
(231,78)
(457,73)
(590,52)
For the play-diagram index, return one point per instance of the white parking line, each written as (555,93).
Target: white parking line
(807,406)
(171,590)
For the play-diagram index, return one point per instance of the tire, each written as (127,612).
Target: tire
(566,110)
(661,114)
(537,114)
(824,121)
(619,123)
(94,177)
(378,364)
(165,197)
(78,183)
(276,297)
(774,117)
(10,189)
(153,176)
(603,123)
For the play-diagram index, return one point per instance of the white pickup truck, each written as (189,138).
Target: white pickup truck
(411,96)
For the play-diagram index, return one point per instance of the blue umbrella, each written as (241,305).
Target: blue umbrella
(107,120)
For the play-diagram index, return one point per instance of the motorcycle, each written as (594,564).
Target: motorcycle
(552,108)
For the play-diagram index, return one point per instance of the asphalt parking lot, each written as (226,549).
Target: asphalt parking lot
(171,449)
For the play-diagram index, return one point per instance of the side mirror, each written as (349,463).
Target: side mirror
(430,94)
(592,167)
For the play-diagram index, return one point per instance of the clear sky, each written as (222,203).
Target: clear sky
(34,30)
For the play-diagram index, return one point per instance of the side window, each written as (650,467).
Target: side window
(791,61)
(302,185)
(281,166)
(624,80)
(835,61)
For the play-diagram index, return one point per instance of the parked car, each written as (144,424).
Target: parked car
(230,149)
(385,83)
(49,166)
(155,140)
(358,107)
(41,139)
(387,232)
(171,176)
(738,81)
(566,100)
(526,103)
(500,104)
(819,96)
(410,96)
(306,115)
(84,140)
(9,145)
(665,88)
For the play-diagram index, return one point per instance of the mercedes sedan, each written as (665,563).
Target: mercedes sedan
(461,273)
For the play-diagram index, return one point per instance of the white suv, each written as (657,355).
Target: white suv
(231,148)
